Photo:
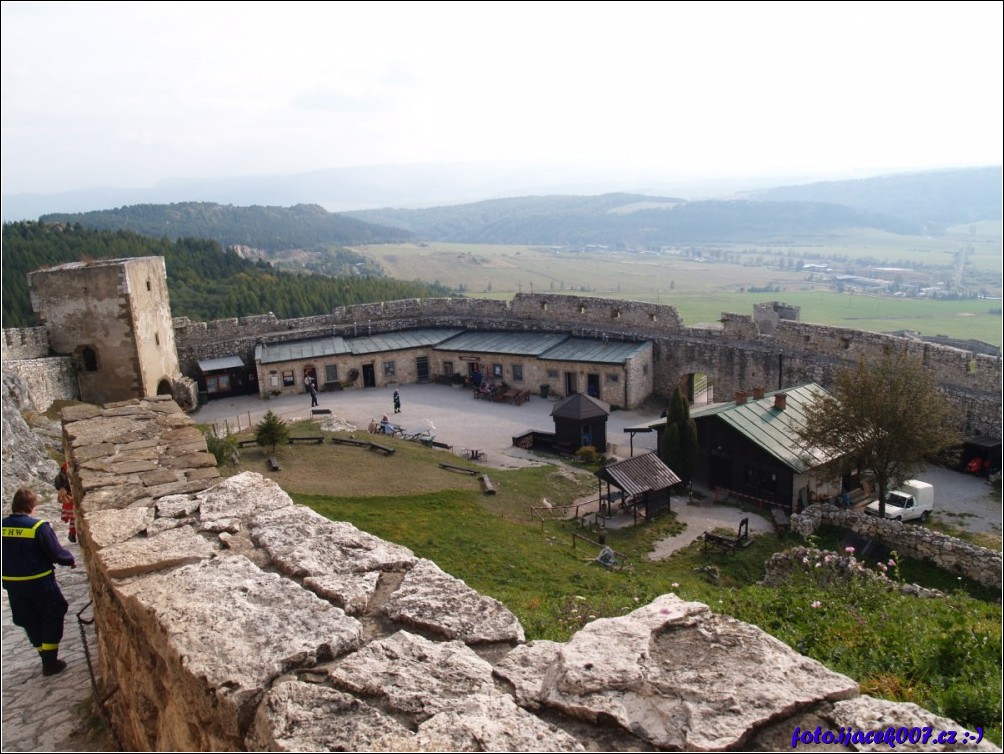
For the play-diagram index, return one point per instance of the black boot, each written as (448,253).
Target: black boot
(51,664)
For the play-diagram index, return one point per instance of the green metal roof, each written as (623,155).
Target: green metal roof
(774,429)
(295,350)
(594,350)
(509,343)
(397,341)
(554,346)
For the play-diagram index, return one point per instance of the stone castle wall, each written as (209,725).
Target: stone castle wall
(229,618)
(771,349)
(979,564)
(47,379)
(25,343)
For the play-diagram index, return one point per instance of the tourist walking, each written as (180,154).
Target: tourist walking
(397,402)
(30,549)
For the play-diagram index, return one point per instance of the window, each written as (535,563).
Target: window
(497,371)
(388,369)
(218,384)
(448,368)
(273,379)
(517,372)
(90,357)
(287,378)
(331,373)
(613,377)
(552,374)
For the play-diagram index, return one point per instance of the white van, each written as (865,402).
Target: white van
(913,500)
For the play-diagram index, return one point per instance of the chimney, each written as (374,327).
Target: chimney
(780,401)
(757,392)
(740,397)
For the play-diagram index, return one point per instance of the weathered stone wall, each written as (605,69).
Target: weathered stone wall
(980,564)
(48,379)
(25,343)
(230,618)
(772,348)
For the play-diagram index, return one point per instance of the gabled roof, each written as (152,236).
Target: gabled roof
(775,430)
(581,406)
(639,474)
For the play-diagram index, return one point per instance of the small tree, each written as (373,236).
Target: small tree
(679,438)
(887,417)
(271,430)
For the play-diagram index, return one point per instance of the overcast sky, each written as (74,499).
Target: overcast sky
(132,94)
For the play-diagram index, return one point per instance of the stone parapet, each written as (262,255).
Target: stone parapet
(24,343)
(230,618)
(980,564)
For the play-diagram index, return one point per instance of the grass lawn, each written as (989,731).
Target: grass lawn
(943,654)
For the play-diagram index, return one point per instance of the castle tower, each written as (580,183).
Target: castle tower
(113,316)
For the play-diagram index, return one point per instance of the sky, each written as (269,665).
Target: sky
(136,94)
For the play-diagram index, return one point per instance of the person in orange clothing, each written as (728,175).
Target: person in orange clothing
(66,503)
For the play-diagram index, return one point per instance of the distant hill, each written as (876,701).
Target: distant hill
(947,197)
(203,280)
(303,226)
(627,221)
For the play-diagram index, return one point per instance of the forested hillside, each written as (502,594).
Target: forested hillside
(204,281)
(304,226)
(947,197)
(628,221)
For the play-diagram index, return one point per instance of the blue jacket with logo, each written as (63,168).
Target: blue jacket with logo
(30,548)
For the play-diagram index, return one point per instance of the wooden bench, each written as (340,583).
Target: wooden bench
(320,412)
(460,469)
(246,443)
(442,446)
(486,485)
(351,441)
(728,544)
(521,397)
(315,439)
(273,464)
(781,521)
(382,448)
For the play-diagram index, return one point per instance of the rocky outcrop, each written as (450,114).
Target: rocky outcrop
(230,618)
(27,458)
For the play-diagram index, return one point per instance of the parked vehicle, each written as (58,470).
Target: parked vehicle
(913,500)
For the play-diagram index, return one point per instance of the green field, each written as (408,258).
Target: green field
(733,278)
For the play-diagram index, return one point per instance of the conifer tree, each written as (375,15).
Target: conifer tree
(678,446)
(271,430)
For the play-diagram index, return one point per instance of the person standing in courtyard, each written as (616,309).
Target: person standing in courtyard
(397,402)
(313,393)
(30,549)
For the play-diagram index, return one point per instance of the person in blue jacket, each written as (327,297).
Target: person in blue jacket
(30,549)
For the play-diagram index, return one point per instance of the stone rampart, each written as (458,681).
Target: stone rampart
(772,349)
(230,618)
(48,379)
(24,343)
(980,564)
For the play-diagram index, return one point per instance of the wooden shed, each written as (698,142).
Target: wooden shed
(642,482)
(581,420)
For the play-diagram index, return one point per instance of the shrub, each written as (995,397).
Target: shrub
(222,448)
(587,454)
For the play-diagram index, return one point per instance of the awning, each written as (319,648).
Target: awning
(217,365)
